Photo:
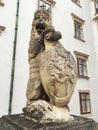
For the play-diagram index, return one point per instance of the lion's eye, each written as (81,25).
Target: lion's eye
(43,17)
(37,17)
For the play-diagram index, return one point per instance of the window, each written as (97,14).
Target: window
(1,29)
(96,6)
(46,4)
(85,104)
(82,70)
(82,64)
(77,2)
(78,27)
(1,3)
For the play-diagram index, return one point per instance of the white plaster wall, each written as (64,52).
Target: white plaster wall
(26,12)
(7,19)
(95,29)
(63,22)
(95,42)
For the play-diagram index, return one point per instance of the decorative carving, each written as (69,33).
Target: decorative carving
(53,72)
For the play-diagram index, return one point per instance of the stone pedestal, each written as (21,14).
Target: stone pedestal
(20,122)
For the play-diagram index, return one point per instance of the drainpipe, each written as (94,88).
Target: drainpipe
(13,59)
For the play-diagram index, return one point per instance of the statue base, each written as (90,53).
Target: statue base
(21,122)
(41,110)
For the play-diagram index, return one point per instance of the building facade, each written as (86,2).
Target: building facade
(77,20)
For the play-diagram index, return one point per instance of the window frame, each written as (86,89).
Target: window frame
(79,20)
(2,28)
(82,67)
(77,3)
(84,101)
(51,3)
(84,57)
(78,32)
(96,8)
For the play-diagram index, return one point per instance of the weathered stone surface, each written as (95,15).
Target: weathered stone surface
(20,122)
(52,70)
(45,111)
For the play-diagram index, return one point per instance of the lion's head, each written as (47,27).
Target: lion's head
(41,21)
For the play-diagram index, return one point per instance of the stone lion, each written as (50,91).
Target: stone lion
(52,72)
(40,23)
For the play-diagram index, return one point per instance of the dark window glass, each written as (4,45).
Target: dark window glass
(96,6)
(85,102)
(78,29)
(44,5)
(82,68)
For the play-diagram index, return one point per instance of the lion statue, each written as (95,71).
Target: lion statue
(40,23)
(52,72)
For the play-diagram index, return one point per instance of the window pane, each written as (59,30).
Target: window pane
(96,5)
(82,95)
(84,109)
(87,96)
(82,69)
(78,30)
(44,5)
(85,103)
(48,7)
(88,105)
(82,61)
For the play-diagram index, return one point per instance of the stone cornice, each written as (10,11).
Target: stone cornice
(77,17)
(80,53)
(2,28)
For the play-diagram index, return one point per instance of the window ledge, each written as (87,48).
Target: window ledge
(2,29)
(79,39)
(1,4)
(95,17)
(83,77)
(86,114)
(77,4)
